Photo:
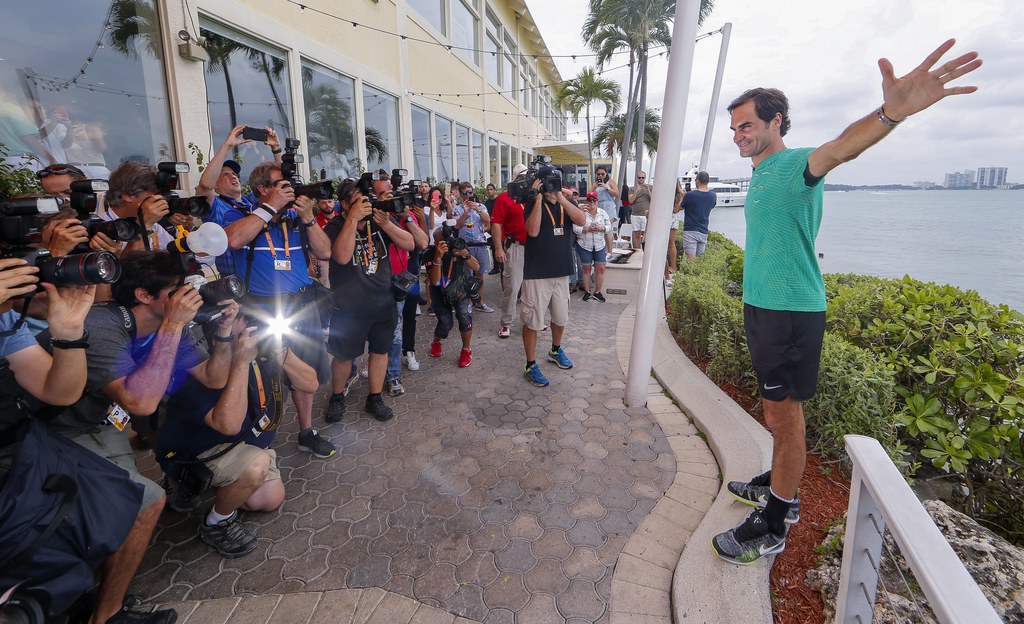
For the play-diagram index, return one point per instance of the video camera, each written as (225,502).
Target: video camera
(400,198)
(540,169)
(168,181)
(290,171)
(19,228)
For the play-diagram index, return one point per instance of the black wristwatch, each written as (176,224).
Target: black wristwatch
(227,338)
(80,343)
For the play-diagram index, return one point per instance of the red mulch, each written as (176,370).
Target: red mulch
(824,496)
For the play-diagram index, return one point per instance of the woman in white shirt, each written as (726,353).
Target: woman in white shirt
(591,247)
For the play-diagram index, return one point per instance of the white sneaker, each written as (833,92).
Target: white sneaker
(504,332)
(409,359)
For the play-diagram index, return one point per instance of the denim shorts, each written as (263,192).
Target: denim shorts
(588,258)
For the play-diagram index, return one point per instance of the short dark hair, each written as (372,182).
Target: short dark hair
(465,185)
(491,186)
(703,177)
(767,104)
(151,271)
(601,168)
(130,178)
(260,176)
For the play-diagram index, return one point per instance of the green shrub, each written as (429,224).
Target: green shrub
(957,362)
(16,182)
(855,395)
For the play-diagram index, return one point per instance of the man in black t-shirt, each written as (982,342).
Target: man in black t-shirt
(233,429)
(548,263)
(363,297)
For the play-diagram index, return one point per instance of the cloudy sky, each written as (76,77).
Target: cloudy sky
(824,56)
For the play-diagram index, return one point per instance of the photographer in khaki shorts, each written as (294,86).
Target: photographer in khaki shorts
(547,265)
(231,431)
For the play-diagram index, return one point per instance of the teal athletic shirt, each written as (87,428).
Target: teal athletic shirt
(780,265)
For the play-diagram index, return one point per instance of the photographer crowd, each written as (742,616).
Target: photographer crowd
(195,337)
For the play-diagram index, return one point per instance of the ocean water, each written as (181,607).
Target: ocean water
(971,239)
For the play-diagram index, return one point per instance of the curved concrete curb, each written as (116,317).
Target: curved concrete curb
(705,588)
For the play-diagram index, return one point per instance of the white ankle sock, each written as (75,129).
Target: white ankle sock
(215,518)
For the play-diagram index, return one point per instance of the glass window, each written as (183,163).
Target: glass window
(329,100)
(383,142)
(462,153)
(505,166)
(431,10)
(246,83)
(508,75)
(420,143)
(493,159)
(491,63)
(464,31)
(514,159)
(477,149)
(70,96)
(443,139)
(493,24)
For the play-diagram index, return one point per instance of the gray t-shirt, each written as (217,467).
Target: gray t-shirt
(115,352)
(641,200)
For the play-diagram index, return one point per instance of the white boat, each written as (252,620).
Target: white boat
(727,193)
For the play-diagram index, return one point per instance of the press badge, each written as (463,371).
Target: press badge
(261,426)
(371,268)
(558,231)
(282,265)
(118,417)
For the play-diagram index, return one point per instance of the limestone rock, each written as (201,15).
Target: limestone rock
(995,564)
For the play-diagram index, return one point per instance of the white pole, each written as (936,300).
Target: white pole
(652,285)
(710,128)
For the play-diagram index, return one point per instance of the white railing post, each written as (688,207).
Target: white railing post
(879,491)
(863,545)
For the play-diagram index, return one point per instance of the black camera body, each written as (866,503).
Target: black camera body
(400,199)
(168,181)
(540,169)
(85,201)
(290,171)
(450,235)
(227,287)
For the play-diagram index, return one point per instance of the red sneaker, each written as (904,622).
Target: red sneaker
(465,358)
(435,348)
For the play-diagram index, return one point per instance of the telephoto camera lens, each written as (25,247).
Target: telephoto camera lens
(97,267)
(228,287)
(126,229)
(198,206)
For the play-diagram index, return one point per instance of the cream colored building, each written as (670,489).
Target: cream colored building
(448,89)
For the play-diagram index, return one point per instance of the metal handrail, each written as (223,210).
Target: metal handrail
(880,496)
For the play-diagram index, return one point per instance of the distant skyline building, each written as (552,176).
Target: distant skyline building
(958,180)
(991,177)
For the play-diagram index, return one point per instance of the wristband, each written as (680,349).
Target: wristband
(80,343)
(227,338)
(264,213)
(886,120)
(275,151)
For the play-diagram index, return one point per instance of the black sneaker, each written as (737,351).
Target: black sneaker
(599,296)
(128,616)
(756,495)
(586,295)
(228,537)
(178,498)
(375,405)
(312,442)
(749,541)
(335,409)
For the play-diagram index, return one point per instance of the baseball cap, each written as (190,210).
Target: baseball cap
(592,196)
(518,170)
(233,165)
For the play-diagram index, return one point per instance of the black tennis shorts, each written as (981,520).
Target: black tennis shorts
(785,348)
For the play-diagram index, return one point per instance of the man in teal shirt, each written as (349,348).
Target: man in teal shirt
(783,293)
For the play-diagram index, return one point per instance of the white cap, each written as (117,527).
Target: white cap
(518,170)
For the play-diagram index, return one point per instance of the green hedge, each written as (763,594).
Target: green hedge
(935,373)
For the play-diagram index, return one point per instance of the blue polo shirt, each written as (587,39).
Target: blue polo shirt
(284,246)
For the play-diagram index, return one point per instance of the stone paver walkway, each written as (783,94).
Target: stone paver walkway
(485,497)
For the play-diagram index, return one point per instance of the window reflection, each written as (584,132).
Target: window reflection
(329,100)
(420,143)
(93,95)
(432,10)
(383,147)
(462,152)
(478,157)
(246,83)
(443,136)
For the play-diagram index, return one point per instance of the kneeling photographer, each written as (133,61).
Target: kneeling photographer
(221,438)
(451,273)
(64,512)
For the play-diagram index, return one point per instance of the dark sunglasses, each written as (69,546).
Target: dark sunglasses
(467,192)
(591,200)
(59,170)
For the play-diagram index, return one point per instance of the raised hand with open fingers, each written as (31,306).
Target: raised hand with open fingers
(925,84)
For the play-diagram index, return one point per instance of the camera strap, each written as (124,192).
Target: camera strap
(21,318)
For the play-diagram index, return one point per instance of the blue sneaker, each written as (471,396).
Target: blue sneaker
(534,376)
(559,358)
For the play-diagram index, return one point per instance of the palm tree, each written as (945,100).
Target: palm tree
(637,25)
(581,92)
(611,134)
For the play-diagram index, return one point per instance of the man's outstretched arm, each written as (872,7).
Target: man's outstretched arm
(901,98)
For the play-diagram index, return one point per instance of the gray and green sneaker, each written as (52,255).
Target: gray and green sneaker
(756,495)
(749,541)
